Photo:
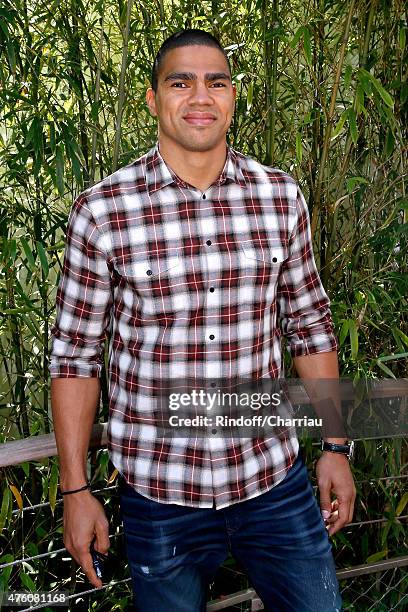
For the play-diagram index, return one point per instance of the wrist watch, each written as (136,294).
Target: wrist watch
(344,449)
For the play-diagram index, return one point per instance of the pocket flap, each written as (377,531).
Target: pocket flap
(148,265)
(272,252)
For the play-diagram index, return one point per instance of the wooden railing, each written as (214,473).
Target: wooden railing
(38,447)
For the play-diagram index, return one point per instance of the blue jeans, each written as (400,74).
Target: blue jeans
(279,538)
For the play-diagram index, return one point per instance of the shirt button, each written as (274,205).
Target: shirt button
(212,336)
(213,384)
(149,272)
(209,243)
(212,289)
(274,259)
(214,431)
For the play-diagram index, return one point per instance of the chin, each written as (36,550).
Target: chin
(199,146)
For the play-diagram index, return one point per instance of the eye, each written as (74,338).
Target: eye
(219,84)
(178,84)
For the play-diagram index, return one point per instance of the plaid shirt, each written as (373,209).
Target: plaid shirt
(189,285)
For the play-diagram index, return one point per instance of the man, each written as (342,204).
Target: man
(194,260)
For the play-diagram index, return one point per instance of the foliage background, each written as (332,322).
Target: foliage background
(322,94)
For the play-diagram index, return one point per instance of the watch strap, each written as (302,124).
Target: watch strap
(343,449)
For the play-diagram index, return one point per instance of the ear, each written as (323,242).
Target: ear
(151,101)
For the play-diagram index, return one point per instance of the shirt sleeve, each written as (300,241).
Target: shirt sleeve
(83,300)
(303,306)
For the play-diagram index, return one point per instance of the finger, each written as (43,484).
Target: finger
(85,561)
(101,542)
(342,519)
(325,501)
(334,517)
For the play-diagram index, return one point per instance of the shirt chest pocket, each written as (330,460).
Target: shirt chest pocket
(269,254)
(261,264)
(151,275)
(149,266)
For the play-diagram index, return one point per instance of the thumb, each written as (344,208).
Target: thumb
(325,501)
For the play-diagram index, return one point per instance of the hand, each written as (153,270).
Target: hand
(85,521)
(334,475)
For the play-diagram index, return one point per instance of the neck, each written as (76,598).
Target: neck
(198,168)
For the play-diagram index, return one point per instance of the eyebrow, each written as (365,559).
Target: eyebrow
(191,76)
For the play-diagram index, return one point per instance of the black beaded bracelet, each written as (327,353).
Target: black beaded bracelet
(87,486)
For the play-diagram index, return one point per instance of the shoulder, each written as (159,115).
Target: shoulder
(258,173)
(127,179)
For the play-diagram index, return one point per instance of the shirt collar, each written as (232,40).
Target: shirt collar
(159,175)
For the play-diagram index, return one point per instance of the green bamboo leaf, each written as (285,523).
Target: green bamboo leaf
(11,54)
(365,82)
(95,110)
(401,334)
(389,143)
(353,338)
(307,45)
(339,125)
(404,93)
(43,258)
(359,98)
(59,168)
(5,504)
(377,556)
(402,38)
(27,581)
(355,180)
(250,95)
(296,37)
(351,113)
(385,369)
(344,331)
(387,98)
(12,249)
(401,504)
(28,253)
(393,357)
(29,324)
(299,147)
(76,166)
(52,136)
(53,485)
(347,75)
(30,303)
(6,571)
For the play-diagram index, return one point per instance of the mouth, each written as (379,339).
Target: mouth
(199,118)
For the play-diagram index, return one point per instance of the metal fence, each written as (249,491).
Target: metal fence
(380,586)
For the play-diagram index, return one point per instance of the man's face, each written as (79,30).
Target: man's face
(195,98)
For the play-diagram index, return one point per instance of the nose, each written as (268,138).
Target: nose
(200,94)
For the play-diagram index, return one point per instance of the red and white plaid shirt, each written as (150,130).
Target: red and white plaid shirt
(189,285)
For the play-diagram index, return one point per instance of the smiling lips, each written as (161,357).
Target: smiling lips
(199,118)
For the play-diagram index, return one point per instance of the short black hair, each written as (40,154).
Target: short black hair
(184,38)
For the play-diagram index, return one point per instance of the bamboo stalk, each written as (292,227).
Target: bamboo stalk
(97,98)
(21,398)
(78,77)
(330,118)
(332,221)
(271,61)
(121,96)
